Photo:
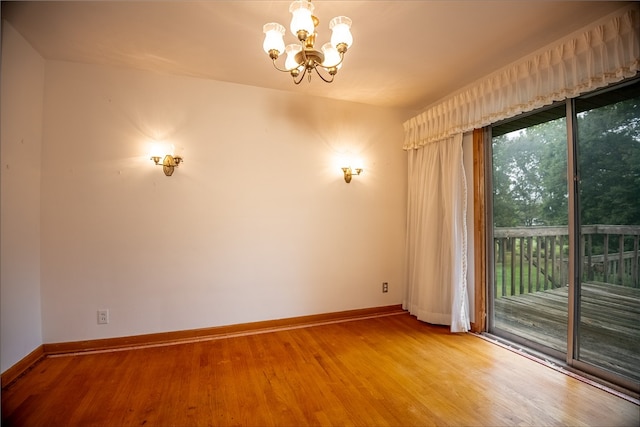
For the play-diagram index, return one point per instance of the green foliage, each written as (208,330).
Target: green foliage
(530,170)
(530,176)
(609,164)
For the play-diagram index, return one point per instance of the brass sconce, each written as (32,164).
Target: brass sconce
(348,173)
(169,163)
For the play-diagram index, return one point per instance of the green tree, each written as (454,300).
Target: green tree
(553,165)
(609,163)
(530,176)
(530,169)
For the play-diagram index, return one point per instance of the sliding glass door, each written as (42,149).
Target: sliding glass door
(565,208)
(608,148)
(530,231)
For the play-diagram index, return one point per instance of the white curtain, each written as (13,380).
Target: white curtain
(606,52)
(436,267)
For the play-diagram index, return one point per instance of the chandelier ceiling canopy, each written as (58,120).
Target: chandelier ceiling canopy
(303,58)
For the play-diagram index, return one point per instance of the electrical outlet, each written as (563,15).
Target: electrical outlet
(103,317)
(385,287)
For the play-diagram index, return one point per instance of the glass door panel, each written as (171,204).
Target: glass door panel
(530,232)
(608,147)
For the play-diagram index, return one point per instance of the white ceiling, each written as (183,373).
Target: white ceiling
(406,54)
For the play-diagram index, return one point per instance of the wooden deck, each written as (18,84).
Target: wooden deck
(609,328)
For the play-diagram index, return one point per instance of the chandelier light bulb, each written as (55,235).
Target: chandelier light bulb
(273,39)
(341,31)
(301,17)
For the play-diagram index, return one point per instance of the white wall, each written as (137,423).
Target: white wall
(22,82)
(256,224)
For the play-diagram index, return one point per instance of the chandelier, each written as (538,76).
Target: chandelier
(303,58)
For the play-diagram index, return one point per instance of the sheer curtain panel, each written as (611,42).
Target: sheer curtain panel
(436,267)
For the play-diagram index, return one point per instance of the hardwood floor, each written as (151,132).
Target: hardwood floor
(388,370)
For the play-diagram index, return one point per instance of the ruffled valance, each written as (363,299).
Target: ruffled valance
(605,53)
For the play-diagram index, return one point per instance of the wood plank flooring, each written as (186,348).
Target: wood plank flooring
(384,371)
(609,327)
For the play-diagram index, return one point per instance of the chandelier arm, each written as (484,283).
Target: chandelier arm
(336,65)
(301,76)
(322,77)
(275,65)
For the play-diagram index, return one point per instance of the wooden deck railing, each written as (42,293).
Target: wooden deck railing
(532,259)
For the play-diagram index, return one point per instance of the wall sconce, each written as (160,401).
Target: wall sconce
(169,163)
(348,173)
